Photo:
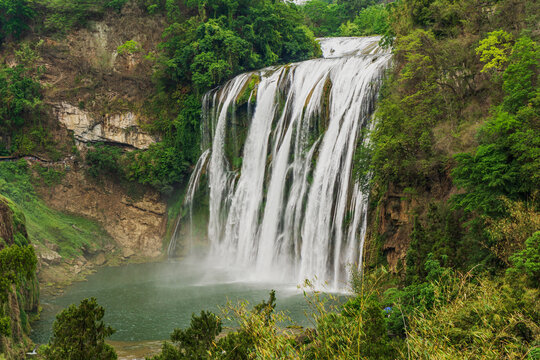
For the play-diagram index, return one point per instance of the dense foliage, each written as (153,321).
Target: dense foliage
(18,283)
(347,18)
(506,162)
(79,333)
(14,18)
(20,94)
(17,265)
(461,109)
(201,341)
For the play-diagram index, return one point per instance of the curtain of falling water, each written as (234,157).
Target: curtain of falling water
(292,210)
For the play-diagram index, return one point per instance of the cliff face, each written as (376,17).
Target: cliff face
(391,221)
(22,299)
(120,128)
(137,223)
(95,94)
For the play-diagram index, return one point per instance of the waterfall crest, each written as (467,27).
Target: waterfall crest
(283,200)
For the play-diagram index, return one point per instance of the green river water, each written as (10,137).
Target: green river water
(147,301)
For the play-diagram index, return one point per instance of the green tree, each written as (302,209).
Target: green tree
(14,18)
(79,333)
(372,20)
(20,96)
(527,261)
(494,50)
(507,161)
(324,17)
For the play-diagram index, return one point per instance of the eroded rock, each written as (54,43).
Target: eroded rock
(118,128)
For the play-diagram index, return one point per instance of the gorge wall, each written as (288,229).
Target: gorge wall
(95,94)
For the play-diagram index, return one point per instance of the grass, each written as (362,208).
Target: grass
(70,233)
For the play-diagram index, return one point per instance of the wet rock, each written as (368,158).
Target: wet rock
(127,252)
(100,259)
(49,257)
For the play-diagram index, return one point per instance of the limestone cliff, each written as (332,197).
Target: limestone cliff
(120,129)
(391,221)
(137,223)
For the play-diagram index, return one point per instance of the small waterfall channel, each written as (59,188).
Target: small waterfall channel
(278,148)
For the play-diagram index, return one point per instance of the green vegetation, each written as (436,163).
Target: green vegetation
(20,93)
(506,162)
(79,333)
(61,16)
(207,43)
(449,315)
(18,284)
(14,18)
(200,340)
(159,166)
(17,266)
(460,109)
(372,20)
(347,18)
(129,47)
(71,233)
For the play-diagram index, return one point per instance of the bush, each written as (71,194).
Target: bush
(104,160)
(372,20)
(79,333)
(129,47)
(478,319)
(527,261)
(195,341)
(14,18)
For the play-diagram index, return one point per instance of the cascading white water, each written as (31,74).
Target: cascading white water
(292,210)
(193,186)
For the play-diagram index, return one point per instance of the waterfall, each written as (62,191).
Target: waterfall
(283,200)
(193,186)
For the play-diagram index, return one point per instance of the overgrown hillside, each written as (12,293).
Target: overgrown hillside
(455,149)
(19,291)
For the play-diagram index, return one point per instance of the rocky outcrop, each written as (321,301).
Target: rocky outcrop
(395,226)
(136,223)
(120,128)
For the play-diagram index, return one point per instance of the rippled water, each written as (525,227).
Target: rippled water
(147,301)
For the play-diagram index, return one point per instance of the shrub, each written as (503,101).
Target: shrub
(527,261)
(79,333)
(129,47)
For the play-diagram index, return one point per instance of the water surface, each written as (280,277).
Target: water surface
(147,301)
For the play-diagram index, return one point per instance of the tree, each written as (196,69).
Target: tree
(506,163)
(79,334)
(193,342)
(527,261)
(20,96)
(14,18)
(494,49)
